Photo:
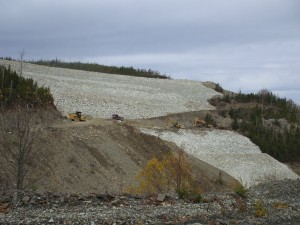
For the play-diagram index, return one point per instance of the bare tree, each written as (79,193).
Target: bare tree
(22,53)
(20,130)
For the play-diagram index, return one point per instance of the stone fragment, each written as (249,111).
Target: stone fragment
(26,199)
(160,197)
(116,202)
(87,202)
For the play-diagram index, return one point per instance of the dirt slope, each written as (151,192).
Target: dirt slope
(103,155)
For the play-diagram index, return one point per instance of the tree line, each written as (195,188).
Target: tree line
(274,106)
(15,89)
(94,67)
(271,122)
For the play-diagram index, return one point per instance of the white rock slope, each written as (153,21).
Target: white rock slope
(230,152)
(101,95)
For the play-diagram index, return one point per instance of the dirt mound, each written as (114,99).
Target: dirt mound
(103,156)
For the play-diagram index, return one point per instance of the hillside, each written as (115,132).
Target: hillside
(101,154)
(101,95)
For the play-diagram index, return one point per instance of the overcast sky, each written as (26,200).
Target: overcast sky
(244,45)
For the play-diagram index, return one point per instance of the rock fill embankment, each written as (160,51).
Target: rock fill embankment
(230,152)
(101,95)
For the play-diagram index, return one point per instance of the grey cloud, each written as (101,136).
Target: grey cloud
(246,45)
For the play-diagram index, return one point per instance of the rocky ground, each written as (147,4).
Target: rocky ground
(270,203)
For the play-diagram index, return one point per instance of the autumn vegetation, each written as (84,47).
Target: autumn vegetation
(171,173)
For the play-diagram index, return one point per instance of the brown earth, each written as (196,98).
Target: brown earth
(102,155)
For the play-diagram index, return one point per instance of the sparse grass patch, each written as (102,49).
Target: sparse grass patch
(280,205)
(260,209)
(188,194)
(241,191)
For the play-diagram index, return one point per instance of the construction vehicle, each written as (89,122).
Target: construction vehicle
(176,125)
(117,117)
(77,116)
(199,123)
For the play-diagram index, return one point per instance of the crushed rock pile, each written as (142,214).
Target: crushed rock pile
(101,95)
(230,152)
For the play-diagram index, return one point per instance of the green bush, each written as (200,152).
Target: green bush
(190,195)
(241,191)
(218,88)
(260,209)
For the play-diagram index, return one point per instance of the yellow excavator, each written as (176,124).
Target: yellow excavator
(77,116)
(201,123)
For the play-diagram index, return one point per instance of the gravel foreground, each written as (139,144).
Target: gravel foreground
(101,95)
(270,203)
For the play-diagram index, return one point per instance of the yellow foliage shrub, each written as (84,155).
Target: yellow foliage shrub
(259,208)
(172,173)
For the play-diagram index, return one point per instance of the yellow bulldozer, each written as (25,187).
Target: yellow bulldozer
(77,116)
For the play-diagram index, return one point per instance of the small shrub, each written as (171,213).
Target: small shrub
(191,195)
(259,208)
(182,193)
(218,88)
(172,172)
(241,191)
